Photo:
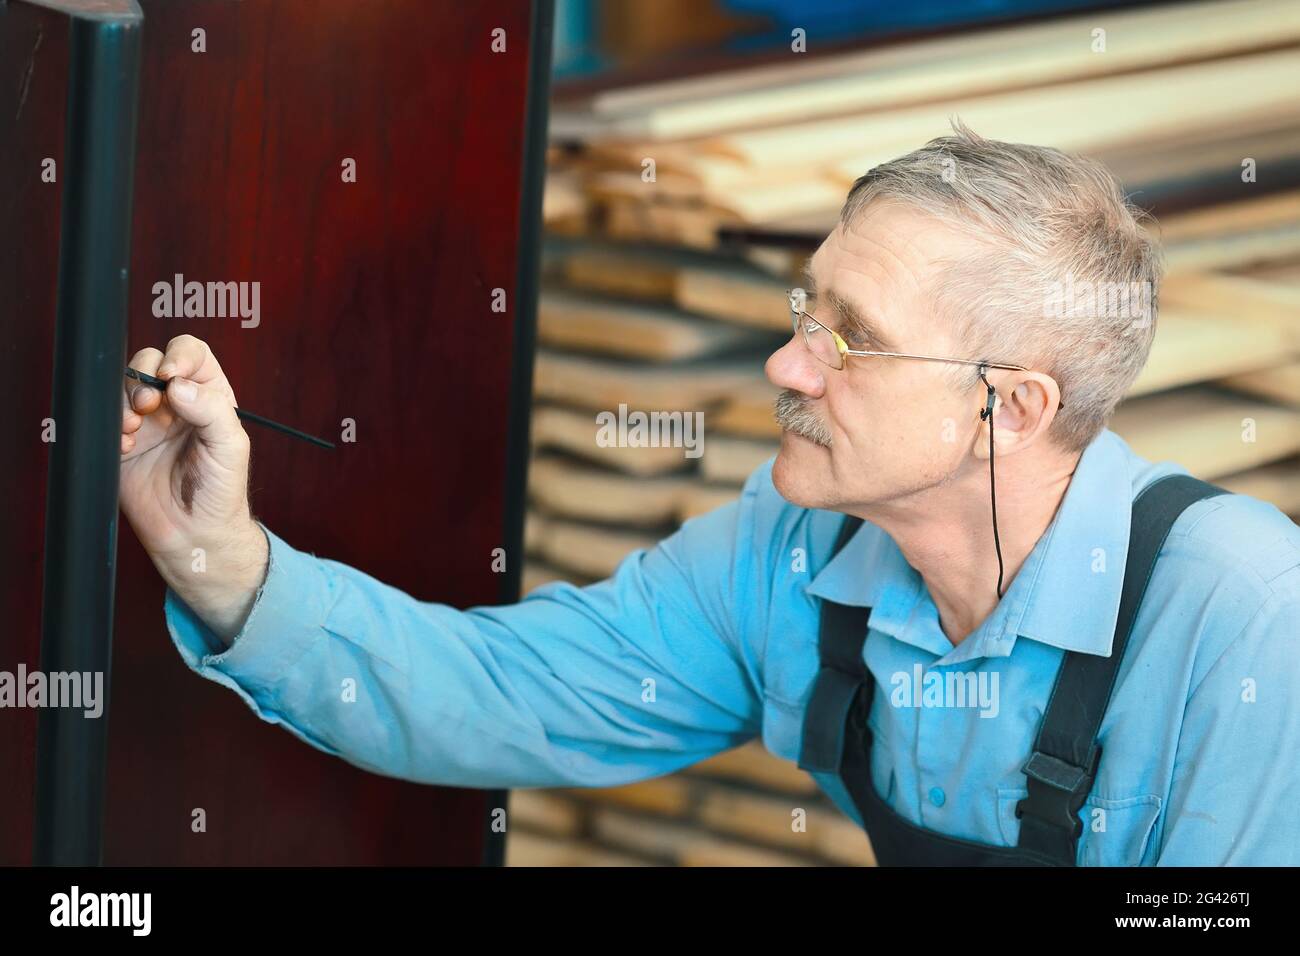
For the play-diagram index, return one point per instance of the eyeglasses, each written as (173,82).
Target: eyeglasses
(830,349)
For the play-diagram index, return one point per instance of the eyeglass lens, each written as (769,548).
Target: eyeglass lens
(819,340)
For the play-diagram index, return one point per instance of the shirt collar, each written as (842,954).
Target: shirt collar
(1066,594)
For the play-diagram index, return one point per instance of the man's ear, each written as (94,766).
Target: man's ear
(1024,397)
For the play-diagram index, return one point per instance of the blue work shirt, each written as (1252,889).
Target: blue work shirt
(709,639)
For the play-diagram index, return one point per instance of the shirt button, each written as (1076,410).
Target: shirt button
(936,796)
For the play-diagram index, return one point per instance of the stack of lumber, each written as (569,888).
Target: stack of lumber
(735,809)
(668,295)
(1174,94)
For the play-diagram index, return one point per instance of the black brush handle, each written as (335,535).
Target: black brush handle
(161,385)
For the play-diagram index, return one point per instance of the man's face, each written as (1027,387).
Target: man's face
(880,428)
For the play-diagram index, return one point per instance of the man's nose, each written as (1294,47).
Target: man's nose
(793,366)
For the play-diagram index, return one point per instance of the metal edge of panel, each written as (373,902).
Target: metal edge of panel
(533,181)
(89,344)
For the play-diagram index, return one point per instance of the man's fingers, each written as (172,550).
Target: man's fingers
(189,357)
(144,399)
(186,359)
(141,398)
(146,360)
(208,408)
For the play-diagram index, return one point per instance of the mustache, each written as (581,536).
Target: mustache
(793,412)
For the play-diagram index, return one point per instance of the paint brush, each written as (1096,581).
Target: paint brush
(161,385)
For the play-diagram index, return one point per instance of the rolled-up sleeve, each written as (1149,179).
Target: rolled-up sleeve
(629,678)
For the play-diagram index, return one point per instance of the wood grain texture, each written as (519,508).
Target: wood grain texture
(33,95)
(375,306)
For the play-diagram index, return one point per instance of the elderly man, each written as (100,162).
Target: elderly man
(990,631)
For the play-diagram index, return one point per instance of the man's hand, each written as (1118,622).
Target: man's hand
(184,483)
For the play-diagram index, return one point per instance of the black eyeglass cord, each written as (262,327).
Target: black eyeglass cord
(986,414)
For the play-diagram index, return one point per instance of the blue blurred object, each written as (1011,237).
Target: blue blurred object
(575,51)
(843,18)
(578,50)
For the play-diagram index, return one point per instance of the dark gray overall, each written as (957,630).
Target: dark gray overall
(1061,770)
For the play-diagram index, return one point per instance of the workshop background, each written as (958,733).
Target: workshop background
(668,293)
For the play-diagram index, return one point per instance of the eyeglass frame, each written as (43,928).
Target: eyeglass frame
(842,347)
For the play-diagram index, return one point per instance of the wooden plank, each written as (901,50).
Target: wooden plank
(1205,430)
(718,853)
(591,550)
(1240,216)
(574,431)
(1250,306)
(916,55)
(538,573)
(749,412)
(565,488)
(1278,484)
(736,174)
(1075,116)
(568,489)
(531,849)
(704,284)
(703,498)
(542,811)
(1204,152)
(630,330)
(1193,345)
(1231,235)
(634,272)
(1019,56)
(1234,251)
(564,199)
(602,385)
(686,844)
(1284,273)
(695,227)
(732,460)
(1280,384)
(665,795)
(754,764)
(761,818)
(736,294)
(1083,116)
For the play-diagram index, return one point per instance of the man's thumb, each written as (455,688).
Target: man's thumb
(207,409)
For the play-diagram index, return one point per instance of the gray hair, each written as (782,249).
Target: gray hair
(1066,280)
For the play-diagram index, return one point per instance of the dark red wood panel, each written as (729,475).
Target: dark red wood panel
(375,305)
(33,95)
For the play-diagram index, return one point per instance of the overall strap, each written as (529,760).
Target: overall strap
(1066,754)
(843,631)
